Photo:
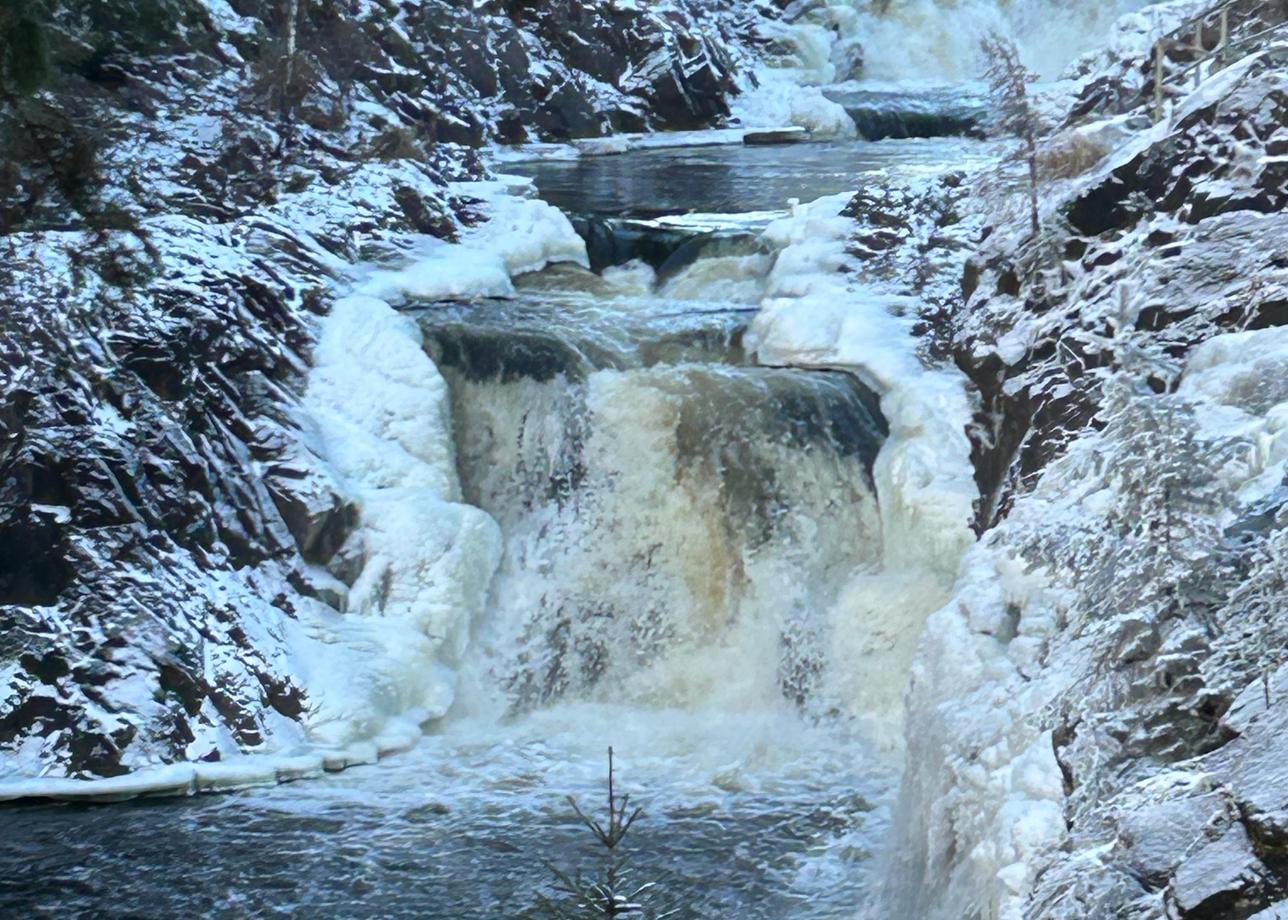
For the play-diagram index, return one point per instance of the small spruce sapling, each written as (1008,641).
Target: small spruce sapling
(612,894)
(1014,114)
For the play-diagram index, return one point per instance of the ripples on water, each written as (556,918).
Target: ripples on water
(732,178)
(749,816)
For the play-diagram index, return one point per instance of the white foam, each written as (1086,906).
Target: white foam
(939,40)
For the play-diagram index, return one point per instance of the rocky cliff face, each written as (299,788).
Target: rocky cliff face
(1093,718)
(181,200)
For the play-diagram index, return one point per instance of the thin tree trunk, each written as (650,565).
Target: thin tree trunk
(287,111)
(292,16)
(1032,143)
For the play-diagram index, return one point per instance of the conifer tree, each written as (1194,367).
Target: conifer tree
(1152,540)
(612,893)
(24,51)
(1014,114)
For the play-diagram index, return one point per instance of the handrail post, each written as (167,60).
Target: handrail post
(1200,51)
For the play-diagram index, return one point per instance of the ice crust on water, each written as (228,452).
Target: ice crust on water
(780,102)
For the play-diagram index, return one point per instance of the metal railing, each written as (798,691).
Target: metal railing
(1210,37)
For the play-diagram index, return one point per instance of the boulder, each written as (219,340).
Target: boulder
(311,503)
(767,138)
(1224,880)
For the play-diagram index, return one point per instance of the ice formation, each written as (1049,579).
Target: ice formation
(378,411)
(815,316)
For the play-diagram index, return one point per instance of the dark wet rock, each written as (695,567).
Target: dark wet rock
(1157,835)
(312,504)
(880,114)
(480,355)
(616,241)
(570,69)
(779,136)
(707,245)
(566,112)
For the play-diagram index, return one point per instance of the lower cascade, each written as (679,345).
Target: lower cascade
(679,524)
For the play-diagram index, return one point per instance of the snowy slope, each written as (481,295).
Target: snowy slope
(1091,716)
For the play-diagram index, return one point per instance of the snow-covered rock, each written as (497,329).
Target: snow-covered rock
(1115,636)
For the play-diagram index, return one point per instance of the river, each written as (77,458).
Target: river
(680,526)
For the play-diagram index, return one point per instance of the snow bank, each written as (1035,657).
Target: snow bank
(816,315)
(777,103)
(1239,382)
(521,234)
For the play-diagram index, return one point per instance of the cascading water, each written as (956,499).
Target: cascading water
(707,562)
(697,569)
(908,68)
(677,522)
(911,41)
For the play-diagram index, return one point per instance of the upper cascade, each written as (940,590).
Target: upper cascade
(937,41)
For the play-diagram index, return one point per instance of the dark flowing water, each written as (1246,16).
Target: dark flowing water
(462,827)
(731,178)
